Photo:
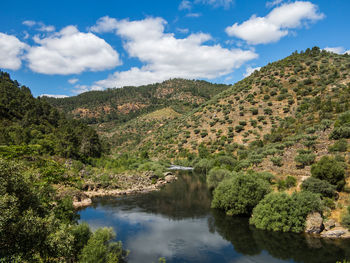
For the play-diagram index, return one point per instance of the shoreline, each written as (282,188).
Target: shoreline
(86,201)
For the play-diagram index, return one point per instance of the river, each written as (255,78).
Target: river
(178,224)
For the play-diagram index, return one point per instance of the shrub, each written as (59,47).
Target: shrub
(345,220)
(330,170)
(239,128)
(304,159)
(277,161)
(318,186)
(203,166)
(240,194)
(283,212)
(290,181)
(339,146)
(99,249)
(216,175)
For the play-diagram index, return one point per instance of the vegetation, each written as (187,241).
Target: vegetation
(330,170)
(240,194)
(283,212)
(318,186)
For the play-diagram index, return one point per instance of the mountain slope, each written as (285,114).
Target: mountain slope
(121,105)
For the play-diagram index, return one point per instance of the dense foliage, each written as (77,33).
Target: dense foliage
(38,226)
(283,212)
(318,186)
(240,194)
(25,120)
(330,170)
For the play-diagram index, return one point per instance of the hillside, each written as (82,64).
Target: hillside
(121,105)
(32,123)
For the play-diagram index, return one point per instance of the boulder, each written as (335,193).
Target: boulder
(314,223)
(335,232)
(329,224)
(170,178)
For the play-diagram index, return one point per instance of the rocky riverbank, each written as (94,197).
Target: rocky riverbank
(149,183)
(326,229)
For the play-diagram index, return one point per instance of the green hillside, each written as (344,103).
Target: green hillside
(121,105)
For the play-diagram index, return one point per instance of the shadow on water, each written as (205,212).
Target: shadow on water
(178,223)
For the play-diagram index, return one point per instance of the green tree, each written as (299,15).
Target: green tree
(330,170)
(240,194)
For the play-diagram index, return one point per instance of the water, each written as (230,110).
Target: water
(178,224)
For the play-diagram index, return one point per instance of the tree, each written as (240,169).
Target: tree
(330,170)
(240,194)
(283,212)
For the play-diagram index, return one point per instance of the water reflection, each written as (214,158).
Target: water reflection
(178,224)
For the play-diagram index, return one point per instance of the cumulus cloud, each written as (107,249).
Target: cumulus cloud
(105,24)
(183,30)
(337,50)
(84,88)
(250,70)
(165,56)
(73,80)
(274,26)
(11,50)
(29,23)
(71,52)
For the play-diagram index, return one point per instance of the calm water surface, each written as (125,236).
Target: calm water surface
(178,224)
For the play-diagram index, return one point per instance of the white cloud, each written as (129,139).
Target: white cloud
(73,80)
(29,23)
(274,26)
(217,3)
(182,30)
(250,70)
(11,50)
(165,56)
(273,3)
(185,5)
(71,52)
(337,50)
(105,24)
(84,88)
(53,96)
(40,26)
(193,14)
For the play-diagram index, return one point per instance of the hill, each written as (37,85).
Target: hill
(33,123)
(121,105)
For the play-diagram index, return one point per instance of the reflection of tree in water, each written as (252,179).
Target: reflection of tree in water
(235,230)
(188,197)
(248,240)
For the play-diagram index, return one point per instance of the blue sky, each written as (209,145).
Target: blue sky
(68,47)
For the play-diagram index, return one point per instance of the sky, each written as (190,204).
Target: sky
(64,48)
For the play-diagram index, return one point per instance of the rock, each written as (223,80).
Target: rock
(82,203)
(335,232)
(314,223)
(168,173)
(170,178)
(329,224)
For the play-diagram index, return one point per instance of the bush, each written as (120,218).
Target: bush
(216,175)
(345,220)
(330,170)
(304,159)
(283,212)
(99,249)
(277,161)
(203,166)
(339,146)
(240,194)
(290,181)
(318,186)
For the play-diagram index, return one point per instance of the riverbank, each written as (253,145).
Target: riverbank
(84,198)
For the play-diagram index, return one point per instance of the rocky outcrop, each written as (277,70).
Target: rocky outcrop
(336,232)
(329,224)
(314,223)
